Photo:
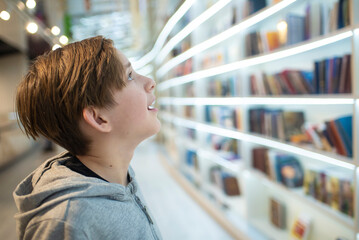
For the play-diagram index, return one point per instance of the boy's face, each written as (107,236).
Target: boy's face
(131,116)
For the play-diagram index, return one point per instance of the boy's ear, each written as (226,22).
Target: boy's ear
(95,119)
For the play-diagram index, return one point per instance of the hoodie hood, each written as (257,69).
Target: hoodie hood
(52,183)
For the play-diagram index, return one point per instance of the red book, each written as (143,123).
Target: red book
(285,76)
(338,141)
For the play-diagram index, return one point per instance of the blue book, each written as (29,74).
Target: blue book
(289,171)
(296,28)
(336,73)
(341,9)
(256,5)
(208,114)
(327,76)
(316,77)
(308,77)
(345,127)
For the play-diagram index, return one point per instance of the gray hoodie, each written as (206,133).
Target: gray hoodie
(55,202)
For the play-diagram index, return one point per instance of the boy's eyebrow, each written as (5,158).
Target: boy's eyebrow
(128,64)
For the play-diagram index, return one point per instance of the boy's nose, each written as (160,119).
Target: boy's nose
(150,85)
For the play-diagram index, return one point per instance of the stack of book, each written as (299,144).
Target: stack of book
(316,21)
(213,59)
(222,87)
(226,182)
(331,187)
(334,135)
(284,125)
(283,168)
(287,82)
(224,116)
(225,147)
(333,75)
(330,76)
(189,112)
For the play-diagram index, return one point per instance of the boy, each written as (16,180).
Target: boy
(86,98)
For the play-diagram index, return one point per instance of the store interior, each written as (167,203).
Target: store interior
(258,102)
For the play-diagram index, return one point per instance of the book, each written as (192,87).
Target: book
(296,28)
(310,182)
(277,213)
(343,13)
(289,171)
(346,199)
(300,228)
(256,5)
(344,125)
(345,75)
(286,81)
(315,22)
(230,185)
(337,138)
(272,40)
(226,147)
(260,159)
(226,182)
(293,123)
(192,159)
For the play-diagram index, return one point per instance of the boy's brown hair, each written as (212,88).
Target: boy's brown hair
(61,83)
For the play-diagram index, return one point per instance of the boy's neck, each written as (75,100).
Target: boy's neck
(112,166)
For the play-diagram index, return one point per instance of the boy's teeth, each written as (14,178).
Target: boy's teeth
(150,107)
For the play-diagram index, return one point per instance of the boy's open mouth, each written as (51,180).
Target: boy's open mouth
(151,107)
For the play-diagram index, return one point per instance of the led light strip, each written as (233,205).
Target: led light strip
(163,35)
(255,60)
(255,101)
(189,28)
(257,140)
(261,15)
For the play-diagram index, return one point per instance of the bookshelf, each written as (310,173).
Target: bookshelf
(205,93)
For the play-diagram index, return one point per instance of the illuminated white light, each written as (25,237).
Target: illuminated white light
(282,26)
(63,40)
(32,27)
(264,141)
(290,51)
(223,36)
(56,46)
(55,30)
(5,15)
(255,100)
(164,34)
(189,28)
(20,5)
(30,4)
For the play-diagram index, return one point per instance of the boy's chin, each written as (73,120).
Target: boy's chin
(157,128)
(154,130)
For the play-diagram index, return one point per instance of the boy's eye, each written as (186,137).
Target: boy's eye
(130,76)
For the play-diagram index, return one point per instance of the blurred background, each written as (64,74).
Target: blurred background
(258,101)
